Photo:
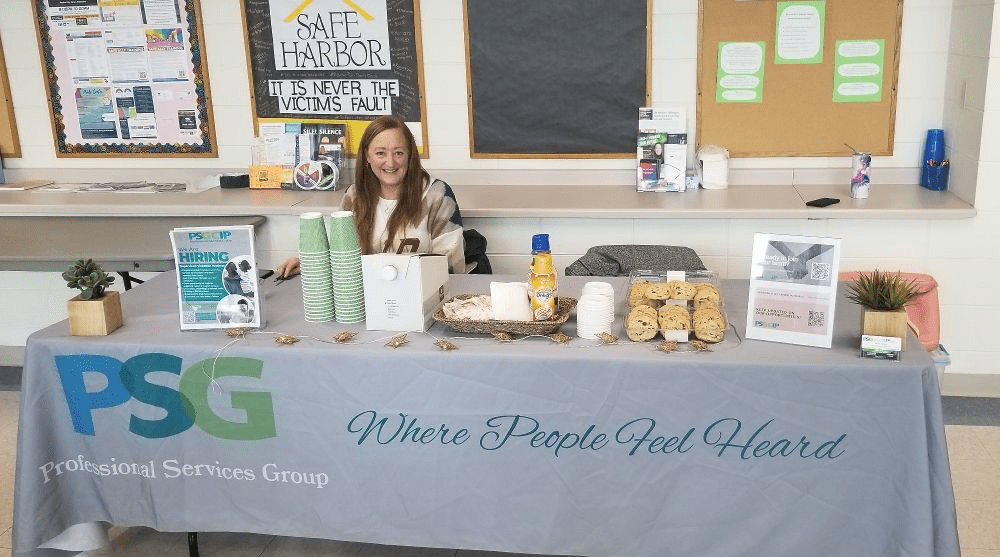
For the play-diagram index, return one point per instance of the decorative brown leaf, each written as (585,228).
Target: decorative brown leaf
(397,341)
(667,346)
(345,336)
(445,345)
(237,331)
(607,338)
(286,339)
(561,338)
(502,336)
(700,346)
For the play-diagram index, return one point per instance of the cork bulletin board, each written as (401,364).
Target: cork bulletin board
(800,109)
(126,79)
(10,147)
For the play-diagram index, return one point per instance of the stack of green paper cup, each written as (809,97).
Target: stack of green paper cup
(317,281)
(345,268)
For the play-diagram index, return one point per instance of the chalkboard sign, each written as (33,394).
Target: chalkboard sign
(322,61)
(556,77)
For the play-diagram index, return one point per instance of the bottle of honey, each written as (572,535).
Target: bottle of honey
(542,282)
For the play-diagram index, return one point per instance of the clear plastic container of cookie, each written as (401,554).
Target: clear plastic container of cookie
(688,306)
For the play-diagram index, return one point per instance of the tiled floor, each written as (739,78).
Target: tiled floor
(975,466)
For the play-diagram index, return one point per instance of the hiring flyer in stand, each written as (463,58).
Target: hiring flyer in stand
(793,289)
(217,285)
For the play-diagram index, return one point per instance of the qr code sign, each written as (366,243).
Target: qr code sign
(817,318)
(819,271)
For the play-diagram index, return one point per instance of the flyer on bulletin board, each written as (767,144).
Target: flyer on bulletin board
(217,286)
(741,72)
(858,70)
(793,289)
(799,32)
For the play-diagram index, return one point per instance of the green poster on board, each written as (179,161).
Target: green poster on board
(858,70)
(740,73)
(799,32)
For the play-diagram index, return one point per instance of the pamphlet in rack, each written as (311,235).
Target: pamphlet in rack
(326,143)
(217,286)
(331,145)
(290,155)
(662,149)
(793,289)
(272,157)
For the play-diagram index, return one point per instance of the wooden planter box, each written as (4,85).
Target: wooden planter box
(884,324)
(95,317)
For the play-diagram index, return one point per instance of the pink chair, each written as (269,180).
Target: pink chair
(923,314)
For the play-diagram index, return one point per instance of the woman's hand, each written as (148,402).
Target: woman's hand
(288,269)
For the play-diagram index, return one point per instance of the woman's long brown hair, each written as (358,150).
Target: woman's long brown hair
(367,188)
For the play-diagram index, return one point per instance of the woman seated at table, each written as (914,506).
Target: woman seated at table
(394,198)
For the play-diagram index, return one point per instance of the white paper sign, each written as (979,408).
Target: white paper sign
(328,35)
(793,289)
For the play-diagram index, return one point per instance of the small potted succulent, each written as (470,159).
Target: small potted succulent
(884,297)
(95,311)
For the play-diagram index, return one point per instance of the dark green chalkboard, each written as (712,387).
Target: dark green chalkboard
(556,77)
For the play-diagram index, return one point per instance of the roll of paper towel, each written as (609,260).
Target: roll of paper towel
(714,164)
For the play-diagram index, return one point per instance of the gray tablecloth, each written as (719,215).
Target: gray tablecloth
(754,449)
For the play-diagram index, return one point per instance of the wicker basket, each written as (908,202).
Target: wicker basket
(564,306)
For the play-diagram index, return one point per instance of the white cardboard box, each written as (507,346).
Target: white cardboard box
(402,291)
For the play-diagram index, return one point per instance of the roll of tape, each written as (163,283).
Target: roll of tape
(316,175)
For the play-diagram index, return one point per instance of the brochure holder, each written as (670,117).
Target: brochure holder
(661,149)
(793,289)
(304,157)
(217,285)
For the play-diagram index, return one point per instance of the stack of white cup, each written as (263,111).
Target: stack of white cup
(595,312)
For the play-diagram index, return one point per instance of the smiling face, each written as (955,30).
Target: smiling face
(389,156)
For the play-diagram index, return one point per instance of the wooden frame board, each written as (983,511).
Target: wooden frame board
(551,106)
(797,115)
(148,72)
(10,146)
(405,50)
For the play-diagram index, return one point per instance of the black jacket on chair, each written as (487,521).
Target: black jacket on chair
(475,252)
(619,260)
